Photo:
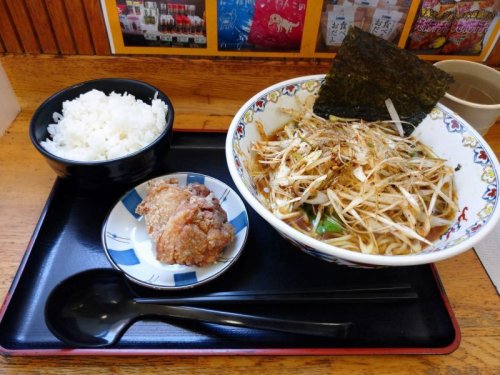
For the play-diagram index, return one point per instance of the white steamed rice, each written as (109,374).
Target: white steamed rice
(96,126)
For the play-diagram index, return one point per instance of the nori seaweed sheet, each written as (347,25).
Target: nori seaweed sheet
(367,70)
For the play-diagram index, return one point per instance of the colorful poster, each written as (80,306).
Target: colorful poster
(261,25)
(384,18)
(290,28)
(234,20)
(162,23)
(452,27)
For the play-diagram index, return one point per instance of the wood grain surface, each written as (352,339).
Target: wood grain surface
(97,27)
(62,31)
(206,94)
(53,27)
(20,15)
(8,31)
(42,25)
(79,27)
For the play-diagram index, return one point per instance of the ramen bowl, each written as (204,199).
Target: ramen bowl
(448,135)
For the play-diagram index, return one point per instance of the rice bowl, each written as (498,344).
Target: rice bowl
(104,174)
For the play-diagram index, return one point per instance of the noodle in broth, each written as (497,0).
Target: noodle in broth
(353,184)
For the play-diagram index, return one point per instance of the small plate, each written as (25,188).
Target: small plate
(130,249)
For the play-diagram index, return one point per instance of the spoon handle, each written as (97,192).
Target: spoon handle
(325,329)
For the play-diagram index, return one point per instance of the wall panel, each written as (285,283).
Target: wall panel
(66,27)
(42,26)
(79,26)
(62,31)
(8,31)
(20,16)
(97,27)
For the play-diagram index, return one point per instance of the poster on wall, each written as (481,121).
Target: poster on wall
(432,29)
(448,27)
(260,25)
(162,23)
(383,18)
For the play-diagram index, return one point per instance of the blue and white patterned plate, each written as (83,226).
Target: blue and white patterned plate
(130,249)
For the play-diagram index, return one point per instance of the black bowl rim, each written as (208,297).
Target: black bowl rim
(49,155)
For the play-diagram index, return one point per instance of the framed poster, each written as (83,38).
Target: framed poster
(260,25)
(384,18)
(139,26)
(449,27)
(432,29)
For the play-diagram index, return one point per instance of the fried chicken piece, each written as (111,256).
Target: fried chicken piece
(188,224)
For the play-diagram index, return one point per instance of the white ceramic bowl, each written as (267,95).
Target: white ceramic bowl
(447,134)
(130,249)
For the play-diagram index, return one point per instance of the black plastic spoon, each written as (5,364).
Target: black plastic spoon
(95,308)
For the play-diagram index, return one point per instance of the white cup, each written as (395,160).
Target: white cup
(475,94)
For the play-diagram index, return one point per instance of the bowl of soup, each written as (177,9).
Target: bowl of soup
(358,193)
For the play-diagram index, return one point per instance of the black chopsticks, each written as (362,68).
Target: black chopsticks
(377,294)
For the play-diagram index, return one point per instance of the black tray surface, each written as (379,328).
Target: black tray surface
(68,240)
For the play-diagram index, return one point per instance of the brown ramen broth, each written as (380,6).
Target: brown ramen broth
(355,185)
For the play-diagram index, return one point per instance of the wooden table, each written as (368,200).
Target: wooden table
(206,94)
